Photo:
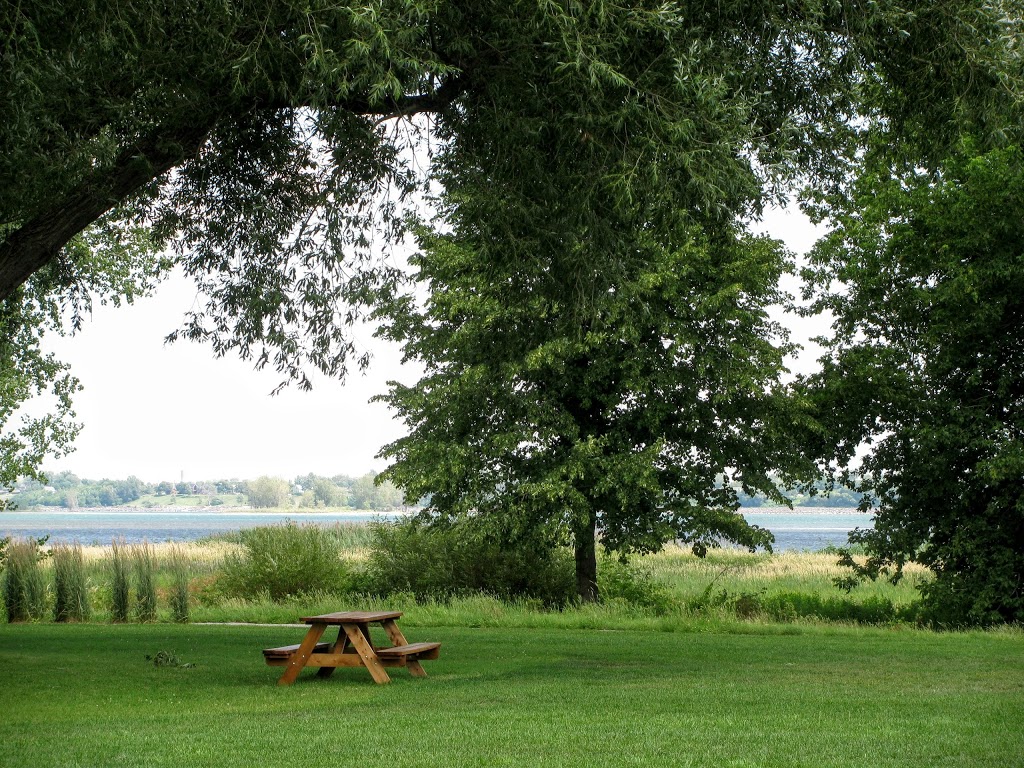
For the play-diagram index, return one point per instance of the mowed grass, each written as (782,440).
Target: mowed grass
(84,695)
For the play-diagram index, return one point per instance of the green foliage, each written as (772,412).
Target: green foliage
(266,146)
(24,583)
(268,492)
(629,416)
(120,581)
(70,584)
(26,372)
(369,492)
(322,492)
(285,560)
(925,278)
(633,585)
(440,561)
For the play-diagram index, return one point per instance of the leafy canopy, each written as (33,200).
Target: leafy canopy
(925,278)
(264,146)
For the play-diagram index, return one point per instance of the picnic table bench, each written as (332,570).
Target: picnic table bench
(353,647)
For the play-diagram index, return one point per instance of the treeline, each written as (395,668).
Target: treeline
(837,497)
(310,491)
(65,489)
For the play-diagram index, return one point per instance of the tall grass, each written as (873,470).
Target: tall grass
(282,572)
(145,582)
(350,538)
(70,585)
(24,583)
(180,568)
(120,583)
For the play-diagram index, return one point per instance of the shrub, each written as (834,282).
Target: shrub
(285,560)
(24,584)
(70,586)
(625,582)
(439,561)
(120,604)
(145,582)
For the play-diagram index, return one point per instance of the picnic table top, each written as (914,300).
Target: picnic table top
(352,617)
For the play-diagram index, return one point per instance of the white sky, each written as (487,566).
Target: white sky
(161,411)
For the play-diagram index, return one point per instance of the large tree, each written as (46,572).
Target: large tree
(629,423)
(264,144)
(925,279)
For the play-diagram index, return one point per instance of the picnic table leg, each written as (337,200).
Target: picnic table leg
(397,638)
(298,659)
(339,647)
(366,653)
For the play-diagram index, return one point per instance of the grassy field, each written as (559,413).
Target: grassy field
(85,695)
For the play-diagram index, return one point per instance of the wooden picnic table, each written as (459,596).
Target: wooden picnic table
(353,648)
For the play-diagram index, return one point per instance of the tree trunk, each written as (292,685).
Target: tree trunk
(38,241)
(586,559)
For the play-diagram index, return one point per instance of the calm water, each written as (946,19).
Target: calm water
(100,526)
(810,528)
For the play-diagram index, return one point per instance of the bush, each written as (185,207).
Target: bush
(625,582)
(24,584)
(285,560)
(70,586)
(440,561)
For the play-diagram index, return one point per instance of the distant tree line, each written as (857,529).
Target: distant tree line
(67,490)
(837,497)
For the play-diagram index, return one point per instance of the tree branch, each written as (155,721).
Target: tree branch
(38,240)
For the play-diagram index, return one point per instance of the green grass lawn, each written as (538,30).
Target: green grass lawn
(84,695)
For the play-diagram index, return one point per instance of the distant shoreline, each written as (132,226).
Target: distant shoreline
(345,512)
(216,510)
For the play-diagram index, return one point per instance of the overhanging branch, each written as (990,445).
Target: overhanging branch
(40,239)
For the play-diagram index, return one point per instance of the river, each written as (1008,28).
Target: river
(807,528)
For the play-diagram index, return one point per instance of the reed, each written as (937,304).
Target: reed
(24,583)
(70,585)
(145,582)
(180,571)
(120,582)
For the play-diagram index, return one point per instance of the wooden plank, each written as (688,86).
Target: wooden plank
(330,661)
(394,633)
(340,645)
(287,650)
(298,659)
(352,617)
(398,639)
(334,660)
(366,653)
(412,649)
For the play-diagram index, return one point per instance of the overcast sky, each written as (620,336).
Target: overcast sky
(163,412)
